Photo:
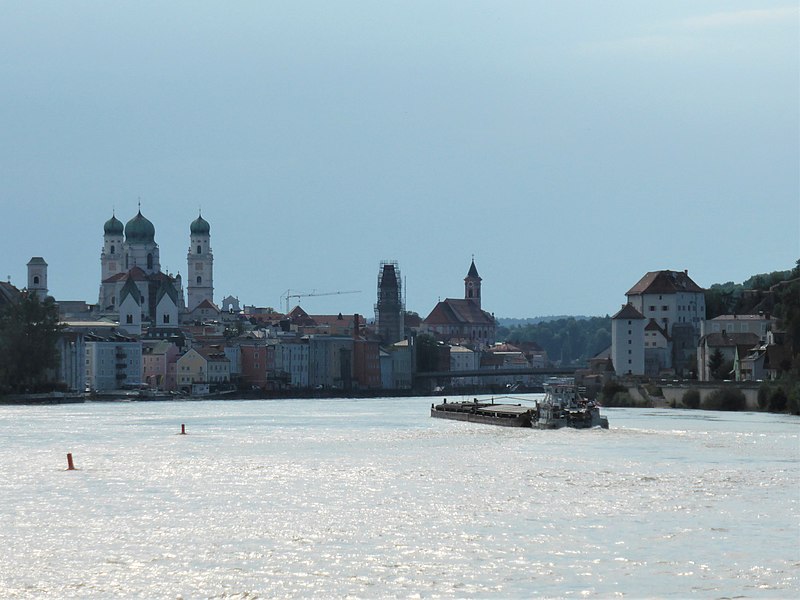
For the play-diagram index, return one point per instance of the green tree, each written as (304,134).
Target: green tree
(716,363)
(29,331)
(427,353)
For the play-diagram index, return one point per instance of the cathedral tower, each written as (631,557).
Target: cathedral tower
(200,263)
(142,250)
(472,285)
(112,256)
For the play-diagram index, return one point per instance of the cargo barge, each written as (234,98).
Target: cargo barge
(489,413)
(562,406)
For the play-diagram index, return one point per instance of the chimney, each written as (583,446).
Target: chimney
(355,326)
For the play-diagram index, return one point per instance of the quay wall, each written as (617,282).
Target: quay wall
(674,392)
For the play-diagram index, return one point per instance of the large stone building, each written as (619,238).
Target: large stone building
(463,321)
(657,331)
(133,287)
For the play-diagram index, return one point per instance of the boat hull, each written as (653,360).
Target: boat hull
(519,421)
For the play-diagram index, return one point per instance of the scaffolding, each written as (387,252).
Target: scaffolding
(390,308)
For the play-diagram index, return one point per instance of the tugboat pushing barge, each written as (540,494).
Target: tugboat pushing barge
(562,406)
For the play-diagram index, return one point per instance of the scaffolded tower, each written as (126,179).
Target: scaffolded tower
(389,308)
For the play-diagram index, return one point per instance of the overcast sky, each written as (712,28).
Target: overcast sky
(569,146)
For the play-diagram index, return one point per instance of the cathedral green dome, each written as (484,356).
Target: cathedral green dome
(199,226)
(140,230)
(113,226)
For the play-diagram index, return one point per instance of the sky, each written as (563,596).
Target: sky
(570,147)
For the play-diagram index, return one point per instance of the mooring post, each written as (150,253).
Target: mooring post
(70,464)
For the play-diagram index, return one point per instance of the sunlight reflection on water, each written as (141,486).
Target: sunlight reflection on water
(373,498)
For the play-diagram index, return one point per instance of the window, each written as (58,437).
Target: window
(652,308)
(199,280)
(112,248)
(665,307)
(198,249)
(166,318)
(129,319)
(149,261)
(36,280)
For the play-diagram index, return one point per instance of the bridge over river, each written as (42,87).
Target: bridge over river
(546,371)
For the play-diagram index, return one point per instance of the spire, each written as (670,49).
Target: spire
(473,270)
(472,284)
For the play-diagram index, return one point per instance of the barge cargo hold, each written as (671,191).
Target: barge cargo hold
(506,415)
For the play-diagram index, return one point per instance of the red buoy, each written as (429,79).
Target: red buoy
(183,429)
(70,464)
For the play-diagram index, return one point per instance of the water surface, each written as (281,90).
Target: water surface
(373,498)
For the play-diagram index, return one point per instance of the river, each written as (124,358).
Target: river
(372,498)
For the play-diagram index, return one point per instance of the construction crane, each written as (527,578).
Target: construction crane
(289,295)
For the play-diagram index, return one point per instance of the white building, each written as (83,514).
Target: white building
(130,252)
(464,359)
(673,307)
(627,341)
(200,261)
(758,324)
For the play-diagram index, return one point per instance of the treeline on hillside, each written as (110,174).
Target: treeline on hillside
(759,293)
(567,341)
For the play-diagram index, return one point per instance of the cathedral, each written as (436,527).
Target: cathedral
(132,285)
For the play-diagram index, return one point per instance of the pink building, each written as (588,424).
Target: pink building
(158,365)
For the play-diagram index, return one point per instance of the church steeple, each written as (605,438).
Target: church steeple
(200,262)
(472,284)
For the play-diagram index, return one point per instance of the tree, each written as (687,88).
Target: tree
(427,353)
(29,331)
(715,364)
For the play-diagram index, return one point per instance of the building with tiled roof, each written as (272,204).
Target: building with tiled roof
(760,324)
(8,294)
(130,253)
(464,320)
(203,368)
(673,309)
(729,345)
(129,260)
